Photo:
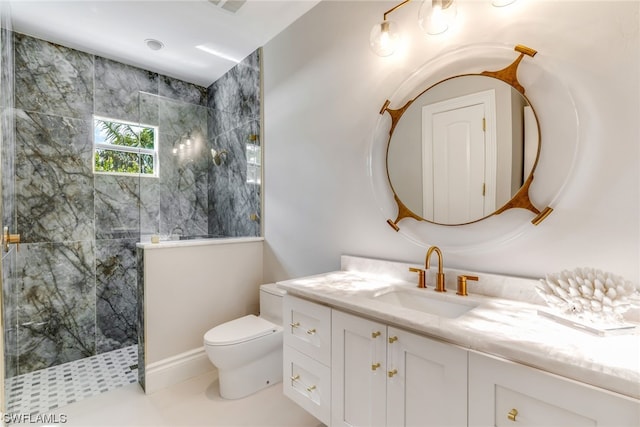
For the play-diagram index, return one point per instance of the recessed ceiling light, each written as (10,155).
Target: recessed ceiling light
(154,44)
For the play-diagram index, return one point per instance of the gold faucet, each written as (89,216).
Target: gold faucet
(440,276)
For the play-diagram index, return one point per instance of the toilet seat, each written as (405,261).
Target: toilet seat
(240,330)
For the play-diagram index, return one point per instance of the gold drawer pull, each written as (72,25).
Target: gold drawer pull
(295,378)
(294,325)
(375,366)
(311,331)
(512,414)
(376,334)
(392,373)
(393,339)
(311,388)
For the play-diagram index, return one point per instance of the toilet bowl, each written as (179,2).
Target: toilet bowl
(248,351)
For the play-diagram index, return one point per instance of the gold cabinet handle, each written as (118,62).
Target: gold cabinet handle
(512,414)
(375,366)
(311,331)
(295,378)
(376,334)
(393,339)
(392,373)
(294,325)
(311,388)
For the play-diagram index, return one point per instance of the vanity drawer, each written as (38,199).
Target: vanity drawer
(307,382)
(307,328)
(503,393)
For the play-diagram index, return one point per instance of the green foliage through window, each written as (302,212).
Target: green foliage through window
(126,148)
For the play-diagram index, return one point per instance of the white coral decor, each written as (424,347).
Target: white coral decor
(589,294)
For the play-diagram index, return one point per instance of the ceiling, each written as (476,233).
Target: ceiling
(117,30)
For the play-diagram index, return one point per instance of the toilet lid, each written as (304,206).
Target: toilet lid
(239,330)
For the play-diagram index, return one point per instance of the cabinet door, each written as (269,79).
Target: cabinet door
(429,382)
(358,375)
(503,393)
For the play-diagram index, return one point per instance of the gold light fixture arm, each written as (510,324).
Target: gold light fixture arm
(399,5)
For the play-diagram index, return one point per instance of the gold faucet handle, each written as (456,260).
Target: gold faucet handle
(462,284)
(421,276)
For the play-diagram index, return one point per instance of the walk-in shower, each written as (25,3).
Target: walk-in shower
(70,292)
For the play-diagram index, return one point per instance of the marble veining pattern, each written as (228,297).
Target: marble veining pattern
(234,204)
(10,313)
(117,294)
(56,303)
(117,201)
(140,314)
(7,173)
(183,179)
(54,179)
(507,328)
(182,91)
(72,291)
(117,89)
(52,79)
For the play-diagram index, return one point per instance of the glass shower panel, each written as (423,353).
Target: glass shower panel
(174,205)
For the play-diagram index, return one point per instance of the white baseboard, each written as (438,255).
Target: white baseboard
(176,369)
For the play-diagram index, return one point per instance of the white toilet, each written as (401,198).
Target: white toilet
(248,351)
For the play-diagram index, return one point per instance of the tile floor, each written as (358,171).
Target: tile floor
(195,402)
(44,390)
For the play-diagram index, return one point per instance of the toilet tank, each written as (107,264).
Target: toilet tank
(271,303)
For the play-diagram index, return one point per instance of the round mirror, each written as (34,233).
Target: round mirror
(462,149)
(550,140)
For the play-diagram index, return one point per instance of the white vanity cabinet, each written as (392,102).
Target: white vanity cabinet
(307,355)
(382,375)
(503,393)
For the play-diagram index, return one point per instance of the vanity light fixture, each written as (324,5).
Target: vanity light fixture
(436,16)
(384,36)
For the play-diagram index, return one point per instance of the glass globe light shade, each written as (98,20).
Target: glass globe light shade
(436,16)
(384,38)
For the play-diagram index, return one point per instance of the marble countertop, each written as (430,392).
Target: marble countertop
(507,328)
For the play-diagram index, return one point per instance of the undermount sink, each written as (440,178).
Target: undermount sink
(419,300)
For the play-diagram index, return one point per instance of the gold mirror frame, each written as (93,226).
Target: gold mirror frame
(521,199)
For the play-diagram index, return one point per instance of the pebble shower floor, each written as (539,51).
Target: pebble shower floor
(44,390)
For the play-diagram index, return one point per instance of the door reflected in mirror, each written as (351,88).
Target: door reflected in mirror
(463,149)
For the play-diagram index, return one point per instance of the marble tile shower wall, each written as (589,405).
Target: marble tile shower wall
(8,191)
(234,101)
(75,287)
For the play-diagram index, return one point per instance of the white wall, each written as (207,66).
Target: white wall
(323,89)
(191,289)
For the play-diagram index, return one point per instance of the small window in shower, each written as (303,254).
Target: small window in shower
(125,148)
